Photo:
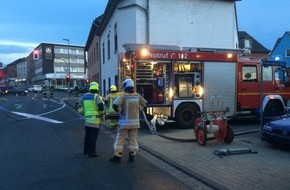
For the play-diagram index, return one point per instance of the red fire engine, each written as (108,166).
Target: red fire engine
(179,82)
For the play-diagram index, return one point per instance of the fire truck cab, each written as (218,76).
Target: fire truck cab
(258,78)
(179,82)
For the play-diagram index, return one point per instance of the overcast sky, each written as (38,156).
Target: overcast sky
(24,24)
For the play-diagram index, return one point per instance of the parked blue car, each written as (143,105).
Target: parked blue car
(277,131)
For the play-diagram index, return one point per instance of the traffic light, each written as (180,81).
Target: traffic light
(87,81)
(67,78)
(35,55)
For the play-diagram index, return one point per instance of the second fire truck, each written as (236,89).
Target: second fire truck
(179,82)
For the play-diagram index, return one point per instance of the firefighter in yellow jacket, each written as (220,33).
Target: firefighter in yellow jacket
(93,110)
(128,105)
(111,115)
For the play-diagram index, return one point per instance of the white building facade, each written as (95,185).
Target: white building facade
(183,23)
(21,68)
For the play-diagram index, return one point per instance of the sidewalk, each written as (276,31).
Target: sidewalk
(266,170)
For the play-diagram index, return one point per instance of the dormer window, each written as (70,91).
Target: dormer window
(248,43)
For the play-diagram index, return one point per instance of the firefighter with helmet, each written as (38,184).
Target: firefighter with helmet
(44,90)
(93,109)
(128,105)
(51,91)
(111,115)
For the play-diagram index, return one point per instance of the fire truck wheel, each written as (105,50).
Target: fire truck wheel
(229,136)
(201,136)
(186,115)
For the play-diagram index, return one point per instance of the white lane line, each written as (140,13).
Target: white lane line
(18,106)
(37,117)
(53,110)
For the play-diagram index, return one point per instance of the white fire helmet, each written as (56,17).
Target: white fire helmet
(128,83)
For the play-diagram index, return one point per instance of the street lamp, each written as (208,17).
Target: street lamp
(68,55)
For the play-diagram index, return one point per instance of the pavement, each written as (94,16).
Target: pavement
(268,169)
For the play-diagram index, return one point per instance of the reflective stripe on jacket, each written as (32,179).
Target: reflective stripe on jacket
(111,98)
(129,104)
(91,110)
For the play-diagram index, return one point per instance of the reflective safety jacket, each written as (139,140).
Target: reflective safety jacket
(93,116)
(110,99)
(129,105)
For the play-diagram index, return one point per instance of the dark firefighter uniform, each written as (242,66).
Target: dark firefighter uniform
(51,91)
(44,91)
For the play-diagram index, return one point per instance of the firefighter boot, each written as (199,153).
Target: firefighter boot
(115,159)
(131,156)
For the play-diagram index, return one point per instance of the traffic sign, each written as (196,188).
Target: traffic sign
(274,63)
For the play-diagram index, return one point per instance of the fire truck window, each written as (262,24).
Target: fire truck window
(249,74)
(281,75)
(267,73)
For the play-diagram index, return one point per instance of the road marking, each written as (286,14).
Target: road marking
(37,117)
(53,110)
(18,106)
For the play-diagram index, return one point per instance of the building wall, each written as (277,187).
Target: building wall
(93,61)
(193,23)
(281,48)
(187,23)
(22,72)
(54,63)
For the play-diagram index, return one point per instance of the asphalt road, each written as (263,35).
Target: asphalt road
(41,148)
(42,153)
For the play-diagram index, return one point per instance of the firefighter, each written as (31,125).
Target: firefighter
(128,105)
(51,91)
(111,115)
(44,91)
(77,91)
(93,109)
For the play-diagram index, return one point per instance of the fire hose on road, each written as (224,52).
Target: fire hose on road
(152,127)
(218,152)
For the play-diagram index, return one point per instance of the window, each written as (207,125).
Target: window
(94,56)
(103,49)
(249,74)
(108,41)
(247,43)
(115,38)
(97,52)
(287,52)
(104,87)
(267,73)
(73,51)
